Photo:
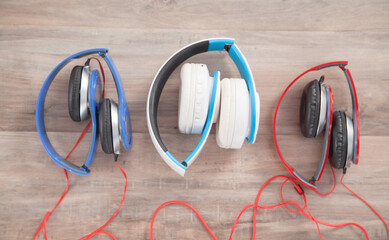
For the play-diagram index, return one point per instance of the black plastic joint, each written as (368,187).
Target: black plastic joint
(85,167)
(227,47)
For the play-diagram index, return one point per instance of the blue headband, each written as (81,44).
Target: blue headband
(123,111)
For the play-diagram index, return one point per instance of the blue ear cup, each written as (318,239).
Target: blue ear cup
(74,93)
(107,114)
(105,126)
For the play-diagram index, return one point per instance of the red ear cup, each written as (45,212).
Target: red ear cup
(74,93)
(338,145)
(310,109)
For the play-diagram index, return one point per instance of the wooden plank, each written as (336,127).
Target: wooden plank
(202,15)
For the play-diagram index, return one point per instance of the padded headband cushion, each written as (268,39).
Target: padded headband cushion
(310,109)
(74,93)
(105,126)
(338,147)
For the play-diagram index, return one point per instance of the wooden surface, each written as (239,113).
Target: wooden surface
(280,39)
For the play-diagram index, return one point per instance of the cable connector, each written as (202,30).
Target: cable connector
(115,157)
(299,189)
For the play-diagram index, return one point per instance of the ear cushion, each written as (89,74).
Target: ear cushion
(310,109)
(223,126)
(185,98)
(105,126)
(233,125)
(74,93)
(242,113)
(338,145)
(195,91)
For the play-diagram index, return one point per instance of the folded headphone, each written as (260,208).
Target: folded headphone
(200,98)
(341,133)
(85,97)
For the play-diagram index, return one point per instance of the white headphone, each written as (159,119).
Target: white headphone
(201,98)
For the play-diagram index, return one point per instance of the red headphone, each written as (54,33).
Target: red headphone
(341,133)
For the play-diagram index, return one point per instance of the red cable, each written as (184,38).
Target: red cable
(255,205)
(99,230)
(363,200)
(282,198)
(181,203)
(47,215)
(316,223)
(79,139)
(333,187)
(257,200)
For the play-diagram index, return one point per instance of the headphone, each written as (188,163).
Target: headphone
(200,98)
(341,133)
(85,97)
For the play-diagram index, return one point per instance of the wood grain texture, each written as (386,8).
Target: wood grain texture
(280,39)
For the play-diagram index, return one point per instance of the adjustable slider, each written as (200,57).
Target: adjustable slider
(184,164)
(299,189)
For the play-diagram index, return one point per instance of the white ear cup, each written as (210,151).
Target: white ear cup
(257,116)
(223,126)
(242,113)
(233,125)
(184,97)
(195,94)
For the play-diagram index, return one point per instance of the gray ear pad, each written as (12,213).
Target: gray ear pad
(338,146)
(74,93)
(310,109)
(105,126)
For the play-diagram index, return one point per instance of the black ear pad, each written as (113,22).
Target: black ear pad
(310,109)
(338,145)
(74,93)
(105,126)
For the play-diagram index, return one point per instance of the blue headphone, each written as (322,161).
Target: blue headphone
(233,104)
(85,95)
